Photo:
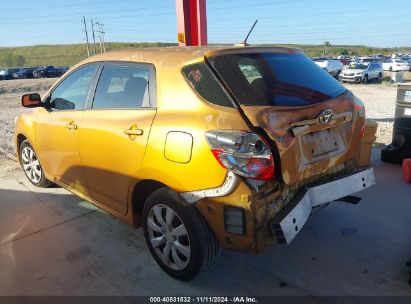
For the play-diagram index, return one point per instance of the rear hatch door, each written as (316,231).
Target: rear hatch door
(312,119)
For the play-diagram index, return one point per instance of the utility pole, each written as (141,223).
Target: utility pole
(94,38)
(85,31)
(101,36)
(102,33)
(326,45)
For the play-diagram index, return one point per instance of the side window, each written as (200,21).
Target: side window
(206,85)
(122,87)
(71,93)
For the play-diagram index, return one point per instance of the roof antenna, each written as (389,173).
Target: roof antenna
(244,43)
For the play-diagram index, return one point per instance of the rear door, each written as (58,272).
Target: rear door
(311,118)
(115,130)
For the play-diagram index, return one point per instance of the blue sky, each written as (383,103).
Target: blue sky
(368,22)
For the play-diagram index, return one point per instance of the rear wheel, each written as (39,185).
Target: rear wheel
(31,166)
(177,235)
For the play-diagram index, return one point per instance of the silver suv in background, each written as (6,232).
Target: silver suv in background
(362,72)
(331,65)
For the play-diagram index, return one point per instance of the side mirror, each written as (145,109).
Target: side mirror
(31,100)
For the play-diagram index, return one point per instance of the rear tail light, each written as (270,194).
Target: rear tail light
(243,153)
(359,108)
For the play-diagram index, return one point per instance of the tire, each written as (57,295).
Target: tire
(191,245)
(365,79)
(379,79)
(31,166)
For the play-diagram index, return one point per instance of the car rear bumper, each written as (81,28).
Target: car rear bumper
(404,69)
(288,223)
(400,69)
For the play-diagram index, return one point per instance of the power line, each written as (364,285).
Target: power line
(81,4)
(79,13)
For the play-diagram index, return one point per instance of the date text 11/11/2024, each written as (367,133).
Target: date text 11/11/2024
(204,299)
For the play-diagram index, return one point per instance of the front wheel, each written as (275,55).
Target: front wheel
(365,79)
(178,236)
(31,166)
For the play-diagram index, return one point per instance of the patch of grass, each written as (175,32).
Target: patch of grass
(61,55)
(69,54)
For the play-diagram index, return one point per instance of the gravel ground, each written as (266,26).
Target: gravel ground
(10,107)
(379,100)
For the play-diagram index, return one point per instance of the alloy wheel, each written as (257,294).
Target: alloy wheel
(31,165)
(169,237)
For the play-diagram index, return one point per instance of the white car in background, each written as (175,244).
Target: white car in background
(407,59)
(395,65)
(362,72)
(331,65)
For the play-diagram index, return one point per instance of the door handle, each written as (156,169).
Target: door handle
(71,126)
(133,131)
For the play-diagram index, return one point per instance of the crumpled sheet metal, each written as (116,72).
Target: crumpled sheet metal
(298,160)
(266,209)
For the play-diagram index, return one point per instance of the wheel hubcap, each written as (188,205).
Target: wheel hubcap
(31,165)
(169,237)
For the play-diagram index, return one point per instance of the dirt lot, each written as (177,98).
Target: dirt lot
(10,107)
(378,98)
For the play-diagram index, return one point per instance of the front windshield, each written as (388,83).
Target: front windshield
(357,66)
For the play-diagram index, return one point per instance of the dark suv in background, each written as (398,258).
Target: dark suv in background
(7,74)
(24,73)
(49,71)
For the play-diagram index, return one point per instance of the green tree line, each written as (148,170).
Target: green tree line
(11,60)
(70,54)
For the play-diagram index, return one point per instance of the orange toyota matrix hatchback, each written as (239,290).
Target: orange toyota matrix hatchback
(202,147)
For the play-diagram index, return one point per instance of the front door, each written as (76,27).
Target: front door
(115,131)
(57,128)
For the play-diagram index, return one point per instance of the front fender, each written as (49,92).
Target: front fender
(25,128)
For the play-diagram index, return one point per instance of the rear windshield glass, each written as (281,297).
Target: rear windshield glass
(276,79)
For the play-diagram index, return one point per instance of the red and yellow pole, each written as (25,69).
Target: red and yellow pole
(191,22)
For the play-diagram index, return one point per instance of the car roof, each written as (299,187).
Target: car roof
(167,56)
